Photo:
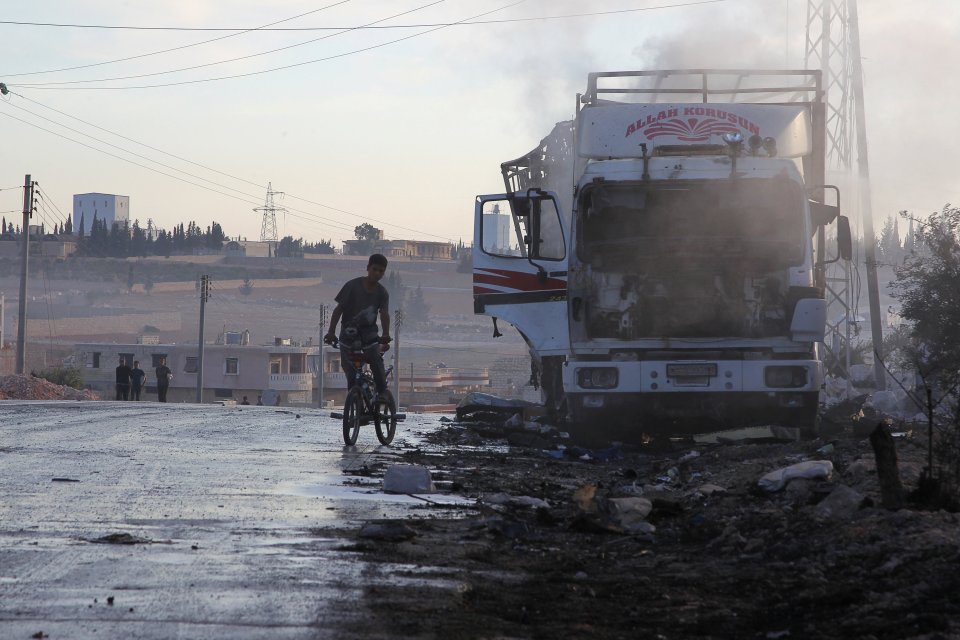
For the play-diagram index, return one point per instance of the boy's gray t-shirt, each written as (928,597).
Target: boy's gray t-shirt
(361,307)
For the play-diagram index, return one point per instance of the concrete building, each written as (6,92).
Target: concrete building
(417,249)
(231,370)
(104,206)
(234,368)
(248,249)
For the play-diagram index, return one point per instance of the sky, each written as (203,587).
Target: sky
(401,127)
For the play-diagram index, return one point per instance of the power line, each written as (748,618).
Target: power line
(282,68)
(187,46)
(320,204)
(237,59)
(399,26)
(335,223)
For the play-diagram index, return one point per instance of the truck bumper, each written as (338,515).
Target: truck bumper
(733,392)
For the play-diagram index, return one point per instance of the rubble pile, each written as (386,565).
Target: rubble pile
(23,387)
(741,537)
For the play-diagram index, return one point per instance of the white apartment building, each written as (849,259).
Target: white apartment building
(105,206)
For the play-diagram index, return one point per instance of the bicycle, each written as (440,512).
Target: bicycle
(360,405)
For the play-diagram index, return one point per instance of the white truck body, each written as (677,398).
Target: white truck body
(666,261)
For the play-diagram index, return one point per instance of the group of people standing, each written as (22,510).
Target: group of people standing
(130,380)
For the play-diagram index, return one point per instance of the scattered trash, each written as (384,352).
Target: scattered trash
(488,407)
(387,531)
(515,501)
(709,489)
(825,449)
(507,528)
(812,469)
(64,480)
(690,455)
(630,514)
(584,498)
(601,455)
(841,504)
(407,478)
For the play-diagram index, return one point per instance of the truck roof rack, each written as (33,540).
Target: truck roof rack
(768,86)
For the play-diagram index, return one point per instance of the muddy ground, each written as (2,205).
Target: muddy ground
(716,557)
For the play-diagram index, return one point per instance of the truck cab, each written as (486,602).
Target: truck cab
(691,285)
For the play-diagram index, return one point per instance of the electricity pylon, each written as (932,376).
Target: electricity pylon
(268,230)
(833,46)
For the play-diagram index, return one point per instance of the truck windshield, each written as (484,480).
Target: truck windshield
(758,221)
(691,259)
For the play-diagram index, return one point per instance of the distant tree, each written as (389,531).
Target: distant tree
(367,234)
(323,247)
(163,245)
(290,248)
(891,250)
(215,237)
(367,231)
(394,285)
(147,282)
(81,226)
(465,262)
(247,287)
(130,279)
(416,311)
(68,226)
(138,240)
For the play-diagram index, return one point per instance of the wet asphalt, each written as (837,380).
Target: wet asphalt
(224,505)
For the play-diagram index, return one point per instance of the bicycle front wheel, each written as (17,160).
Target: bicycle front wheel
(385,418)
(352,413)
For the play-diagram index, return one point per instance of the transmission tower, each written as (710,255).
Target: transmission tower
(268,230)
(833,46)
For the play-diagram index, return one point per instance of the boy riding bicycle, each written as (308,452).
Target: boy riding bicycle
(359,303)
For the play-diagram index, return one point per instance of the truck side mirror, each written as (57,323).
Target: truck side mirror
(844,241)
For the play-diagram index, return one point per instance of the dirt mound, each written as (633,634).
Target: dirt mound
(21,387)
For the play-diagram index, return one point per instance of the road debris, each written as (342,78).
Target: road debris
(407,478)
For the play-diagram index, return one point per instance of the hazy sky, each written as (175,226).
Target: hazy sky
(403,135)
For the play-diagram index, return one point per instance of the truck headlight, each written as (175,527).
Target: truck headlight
(597,377)
(785,377)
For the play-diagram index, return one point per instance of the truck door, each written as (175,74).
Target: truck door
(520,266)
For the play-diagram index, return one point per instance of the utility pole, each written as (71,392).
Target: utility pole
(204,296)
(866,205)
(397,323)
(25,251)
(323,323)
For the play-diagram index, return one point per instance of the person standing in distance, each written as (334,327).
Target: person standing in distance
(360,302)
(137,376)
(123,380)
(163,380)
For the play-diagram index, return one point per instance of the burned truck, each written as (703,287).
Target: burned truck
(665,260)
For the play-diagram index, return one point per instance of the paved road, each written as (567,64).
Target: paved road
(230,497)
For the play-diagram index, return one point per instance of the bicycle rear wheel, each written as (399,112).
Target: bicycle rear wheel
(385,418)
(352,412)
